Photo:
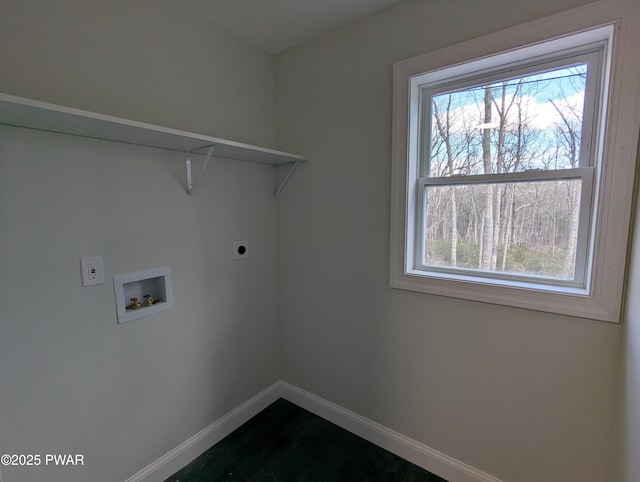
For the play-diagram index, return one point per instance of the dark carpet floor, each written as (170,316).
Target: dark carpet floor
(287,443)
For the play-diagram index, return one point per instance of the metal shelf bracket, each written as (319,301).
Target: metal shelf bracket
(279,181)
(192,184)
(278,187)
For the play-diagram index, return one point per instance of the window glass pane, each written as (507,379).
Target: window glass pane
(525,123)
(525,228)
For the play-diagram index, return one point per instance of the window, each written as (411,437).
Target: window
(500,188)
(505,171)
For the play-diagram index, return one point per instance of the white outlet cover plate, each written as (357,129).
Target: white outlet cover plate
(236,248)
(92,270)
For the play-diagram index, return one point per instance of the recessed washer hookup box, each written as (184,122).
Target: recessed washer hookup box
(143,293)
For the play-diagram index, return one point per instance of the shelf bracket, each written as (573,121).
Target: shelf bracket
(192,184)
(277,188)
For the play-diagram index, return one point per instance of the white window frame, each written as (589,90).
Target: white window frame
(575,49)
(605,223)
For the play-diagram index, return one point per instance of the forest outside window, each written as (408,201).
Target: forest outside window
(499,174)
(506,172)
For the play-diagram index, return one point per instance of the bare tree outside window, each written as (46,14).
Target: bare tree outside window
(529,123)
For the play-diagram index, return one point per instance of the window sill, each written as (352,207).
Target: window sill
(561,300)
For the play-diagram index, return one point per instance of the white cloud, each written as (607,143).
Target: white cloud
(537,115)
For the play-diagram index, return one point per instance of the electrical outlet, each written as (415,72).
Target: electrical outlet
(92,270)
(94,274)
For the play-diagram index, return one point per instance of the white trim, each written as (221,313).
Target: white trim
(419,454)
(175,459)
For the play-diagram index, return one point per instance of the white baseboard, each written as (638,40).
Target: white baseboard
(191,448)
(429,459)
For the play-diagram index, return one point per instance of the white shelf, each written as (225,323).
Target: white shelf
(33,114)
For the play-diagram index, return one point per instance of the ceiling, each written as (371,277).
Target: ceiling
(276,25)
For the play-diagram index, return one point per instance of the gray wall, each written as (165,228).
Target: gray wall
(625,464)
(73,380)
(522,395)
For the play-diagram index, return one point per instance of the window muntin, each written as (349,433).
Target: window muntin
(517,129)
